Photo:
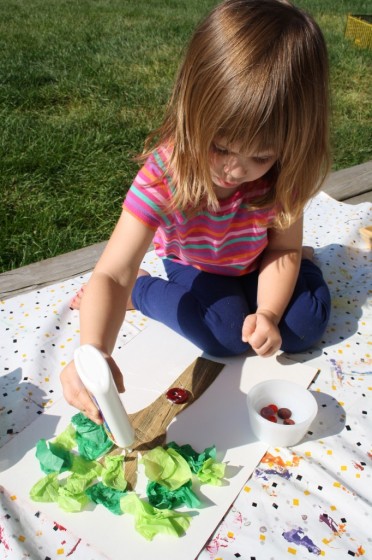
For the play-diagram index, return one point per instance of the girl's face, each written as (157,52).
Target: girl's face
(230,168)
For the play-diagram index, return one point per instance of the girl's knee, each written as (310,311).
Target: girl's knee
(305,333)
(220,350)
(225,342)
(294,344)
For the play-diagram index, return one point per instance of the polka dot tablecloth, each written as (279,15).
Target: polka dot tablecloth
(310,500)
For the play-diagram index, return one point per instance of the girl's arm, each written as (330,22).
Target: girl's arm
(103,305)
(277,279)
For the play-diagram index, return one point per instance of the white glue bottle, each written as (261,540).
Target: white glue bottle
(96,376)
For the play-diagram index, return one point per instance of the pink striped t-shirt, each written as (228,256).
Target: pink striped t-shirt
(228,241)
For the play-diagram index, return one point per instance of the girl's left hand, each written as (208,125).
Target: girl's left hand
(260,330)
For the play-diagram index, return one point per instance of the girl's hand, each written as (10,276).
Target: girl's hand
(261,331)
(76,394)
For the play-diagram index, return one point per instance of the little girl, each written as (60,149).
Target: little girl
(242,148)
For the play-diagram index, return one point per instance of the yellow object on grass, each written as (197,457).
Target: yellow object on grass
(359,29)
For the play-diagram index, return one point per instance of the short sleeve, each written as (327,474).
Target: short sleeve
(149,195)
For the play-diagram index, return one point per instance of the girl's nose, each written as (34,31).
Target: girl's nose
(233,164)
(230,163)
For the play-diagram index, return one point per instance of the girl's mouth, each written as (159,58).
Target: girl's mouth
(227,183)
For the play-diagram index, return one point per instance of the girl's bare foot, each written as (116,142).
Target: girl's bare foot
(141,272)
(76,300)
(308,252)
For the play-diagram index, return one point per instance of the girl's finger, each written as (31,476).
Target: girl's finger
(88,407)
(262,349)
(117,375)
(249,326)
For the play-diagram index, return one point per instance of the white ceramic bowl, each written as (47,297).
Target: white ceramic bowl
(284,394)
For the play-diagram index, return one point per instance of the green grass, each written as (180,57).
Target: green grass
(82,82)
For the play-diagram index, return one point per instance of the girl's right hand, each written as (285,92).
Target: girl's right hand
(261,331)
(76,394)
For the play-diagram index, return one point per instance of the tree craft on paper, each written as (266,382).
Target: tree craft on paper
(170,468)
(151,423)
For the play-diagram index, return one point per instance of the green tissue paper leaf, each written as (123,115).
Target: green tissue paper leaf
(161,497)
(150,521)
(194,459)
(167,467)
(70,501)
(76,483)
(67,438)
(68,497)
(52,458)
(92,440)
(113,472)
(85,467)
(109,497)
(45,489)
(211,472)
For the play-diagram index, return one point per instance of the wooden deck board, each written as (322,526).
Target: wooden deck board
(352,185)
(365,197)
(49,271)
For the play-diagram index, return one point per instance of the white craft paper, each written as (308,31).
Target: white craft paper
(150,363)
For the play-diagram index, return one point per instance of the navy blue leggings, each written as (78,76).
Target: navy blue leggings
(209,309)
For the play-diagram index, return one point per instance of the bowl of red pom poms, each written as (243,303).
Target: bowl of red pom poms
(280,412)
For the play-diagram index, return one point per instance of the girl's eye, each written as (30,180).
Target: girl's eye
(262,160)
(219,150)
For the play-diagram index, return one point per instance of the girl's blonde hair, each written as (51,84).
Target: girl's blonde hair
(255,74)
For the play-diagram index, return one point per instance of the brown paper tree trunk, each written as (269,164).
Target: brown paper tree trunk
(151,423)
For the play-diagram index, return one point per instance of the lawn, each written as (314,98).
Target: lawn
(82,82)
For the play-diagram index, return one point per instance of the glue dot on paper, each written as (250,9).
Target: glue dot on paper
(177,395)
